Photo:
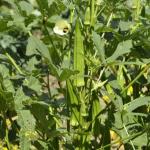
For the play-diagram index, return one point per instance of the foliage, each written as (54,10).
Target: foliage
(88,89)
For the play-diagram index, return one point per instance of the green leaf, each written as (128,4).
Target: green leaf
(45,120)
(4,72)
(19,98)
(141,140)
(54,70)
(54,18)
(31,64)
(122,48)
(27,7)
(125,25)
(6,101)
(137,103)
(27,124)
(3,25)
(43,5)
(6,98)
(34,84)
(24,142)
(34,45)
(99,44)
(43,144)
(66,73)
(31,47)
(25,120)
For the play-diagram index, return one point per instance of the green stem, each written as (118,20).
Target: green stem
(108,22)
(137,77)
(7,139)
(6,131)
(48,86)
(128,136)
(14,63)
(98,13)
(122,140)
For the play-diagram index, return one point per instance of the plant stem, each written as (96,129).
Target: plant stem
(14,63)
(108,22)
(137,77)
(7,139)
(128,136)
(48,86)
(123,140)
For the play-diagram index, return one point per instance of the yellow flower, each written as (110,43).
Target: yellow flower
(106,98)
(130,91)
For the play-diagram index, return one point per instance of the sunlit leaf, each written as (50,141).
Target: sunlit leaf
(137,103)
(122,48)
